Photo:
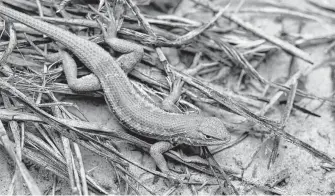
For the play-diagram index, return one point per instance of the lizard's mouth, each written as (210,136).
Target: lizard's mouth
(210,141)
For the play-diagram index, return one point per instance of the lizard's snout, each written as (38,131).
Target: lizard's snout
(215,131)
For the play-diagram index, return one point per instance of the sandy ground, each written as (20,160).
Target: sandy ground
(306,175)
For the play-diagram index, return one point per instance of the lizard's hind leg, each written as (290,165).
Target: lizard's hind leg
(132,53)
(86,83)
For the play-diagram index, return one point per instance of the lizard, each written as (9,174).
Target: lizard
(132,110)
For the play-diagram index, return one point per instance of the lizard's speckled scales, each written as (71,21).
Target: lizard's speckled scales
(132,110)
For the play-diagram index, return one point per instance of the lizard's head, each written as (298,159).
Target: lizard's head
(211,131)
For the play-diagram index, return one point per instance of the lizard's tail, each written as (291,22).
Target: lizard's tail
(41,26)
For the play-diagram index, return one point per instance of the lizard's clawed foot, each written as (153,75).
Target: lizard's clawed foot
(169,101)
(114,19)
(177,178)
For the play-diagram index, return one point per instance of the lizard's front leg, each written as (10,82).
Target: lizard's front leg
(156,152)
(85,83)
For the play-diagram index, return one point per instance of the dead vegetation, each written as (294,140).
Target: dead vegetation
(208,66)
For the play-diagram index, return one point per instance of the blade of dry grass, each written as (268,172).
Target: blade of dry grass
(45,69)
(284,120)
(322,5)
(81,169)
(69,166)
(14,127)
(62,5)
(230,189)
(10,47)
(137,180)
(290,101)
(11,44)
(237,141)
(66,144)
(32,186)
(282,12)
(56,166)
(6,87)
(298,74)
(192,34)
(280,43)
(239,59)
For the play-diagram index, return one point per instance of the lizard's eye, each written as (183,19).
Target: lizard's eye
(208,137)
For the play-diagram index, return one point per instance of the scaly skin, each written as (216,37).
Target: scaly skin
(131,109)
